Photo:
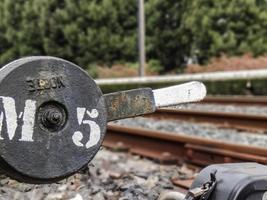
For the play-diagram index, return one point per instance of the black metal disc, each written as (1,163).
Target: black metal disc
(52,118)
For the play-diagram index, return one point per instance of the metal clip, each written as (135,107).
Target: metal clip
(203,192)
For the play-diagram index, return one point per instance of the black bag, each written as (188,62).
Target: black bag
(238,181)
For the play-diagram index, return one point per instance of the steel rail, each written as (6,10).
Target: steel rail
(224,119)
(170,147)
(237,100)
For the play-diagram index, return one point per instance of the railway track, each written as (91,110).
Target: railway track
(196,152)
(237,100)
(167,147)
(240,121)
(171,148)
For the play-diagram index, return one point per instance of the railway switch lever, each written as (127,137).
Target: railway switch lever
(53,116)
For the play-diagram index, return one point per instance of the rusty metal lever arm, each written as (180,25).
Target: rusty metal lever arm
(142,101)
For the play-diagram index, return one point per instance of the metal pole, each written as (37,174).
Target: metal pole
(141,37)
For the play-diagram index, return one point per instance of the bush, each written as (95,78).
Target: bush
(81,31)
(166,40)
(232,27)
(180,31)
(104,32)
(154,66)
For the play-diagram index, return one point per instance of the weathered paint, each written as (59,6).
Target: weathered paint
(95,131)
(184,93)
(28,121)
(11,117)
(142,101)
(129,103)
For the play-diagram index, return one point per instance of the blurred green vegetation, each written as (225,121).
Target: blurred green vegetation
(104,32)
(81,31)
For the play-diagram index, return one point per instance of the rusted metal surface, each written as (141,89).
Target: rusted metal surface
(230,120)
(169,147)
(239,100)
(183,183)
(142,101)
(203,155)
(144,144)
(129,103)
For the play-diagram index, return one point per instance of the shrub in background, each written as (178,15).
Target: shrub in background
(81,31)
(232,27)
(104,32)
(166,39)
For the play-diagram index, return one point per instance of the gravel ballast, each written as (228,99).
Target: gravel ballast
(250,110)
(110,176)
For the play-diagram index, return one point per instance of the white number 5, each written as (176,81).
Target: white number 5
(95,132)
